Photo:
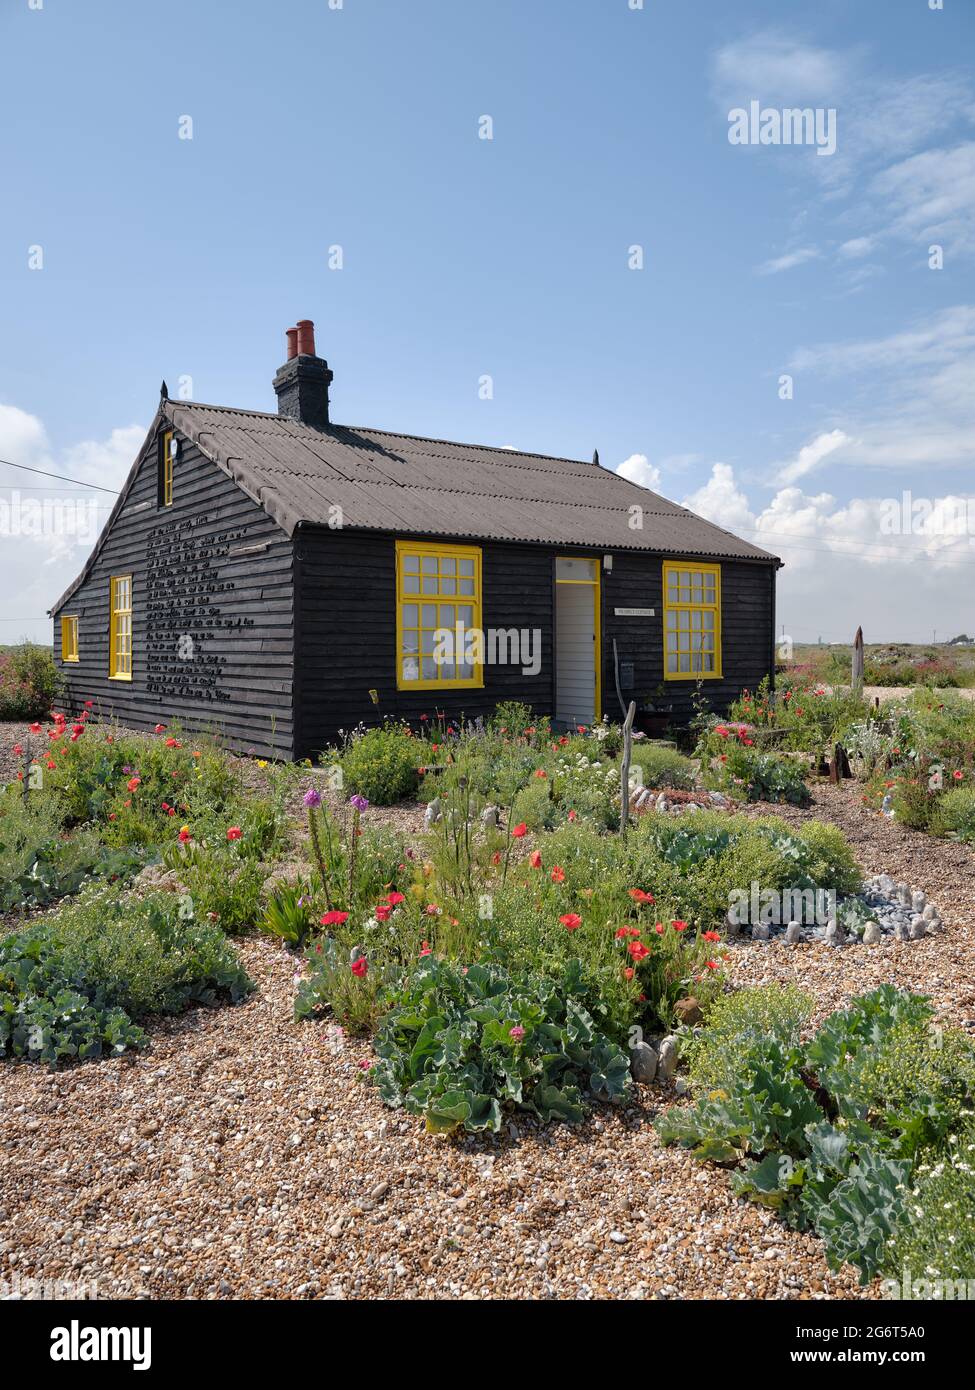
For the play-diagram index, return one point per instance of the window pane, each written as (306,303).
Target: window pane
(429,584)
(411,584)
(671,641)
(426,641)
(709,620)
(448,586)
(671,618)
(465,671)
(429,564)
(672,663)
(409,615)
(411,564)
(410,670)
(411,642)
(467,586)
(465,615)
(466,567)
(429,668)
(448,565)
(447,611)
(429,615)
(447,671)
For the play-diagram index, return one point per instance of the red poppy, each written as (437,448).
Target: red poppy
(639,896)
(628,972)
(558,874)
(535,859)
(334,919)
(394,899)
(573,815)
(637,950)
(35,728)
(360,967)
(160,729)
(425,949)
(383,911)
(234,833)
(712,936)
(520,831)
(571,920)
(184,835)
(132,783)
(679,926)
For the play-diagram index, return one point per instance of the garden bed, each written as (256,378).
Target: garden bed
(245,1155)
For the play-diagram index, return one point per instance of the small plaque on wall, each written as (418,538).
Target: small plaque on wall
(634,612)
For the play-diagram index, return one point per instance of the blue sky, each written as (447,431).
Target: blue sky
(357,127)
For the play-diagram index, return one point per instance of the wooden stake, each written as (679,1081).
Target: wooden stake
(625,765)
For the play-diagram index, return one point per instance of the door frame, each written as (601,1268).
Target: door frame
(596,586)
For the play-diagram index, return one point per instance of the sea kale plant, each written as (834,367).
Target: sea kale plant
(828,1133)
(460,1046)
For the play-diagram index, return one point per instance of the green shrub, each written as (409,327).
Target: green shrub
(382,764)
(663,767)
(75,984)
(936,1240)
(953,814)
(29,682)
(459,1046)
(827,1134)
(223,885)
(756,776)
(735,1023)
(39,863)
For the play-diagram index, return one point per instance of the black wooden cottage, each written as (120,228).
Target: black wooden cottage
(276,578)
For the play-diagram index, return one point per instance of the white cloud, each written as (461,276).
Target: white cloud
(915,393)
(857,246)
(788,261)
(721,501)
(811,455)
(932,196)
(904,159)
(638,469)
(47,526)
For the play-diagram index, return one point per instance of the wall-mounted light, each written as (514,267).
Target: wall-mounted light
(608,563)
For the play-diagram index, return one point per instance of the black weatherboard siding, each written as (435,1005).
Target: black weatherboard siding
(212,611)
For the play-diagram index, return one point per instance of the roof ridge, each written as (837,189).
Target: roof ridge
(389,434)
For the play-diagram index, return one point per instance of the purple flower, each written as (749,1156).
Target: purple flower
(312,798)
(358,803)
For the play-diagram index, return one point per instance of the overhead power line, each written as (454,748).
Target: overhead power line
(60,476)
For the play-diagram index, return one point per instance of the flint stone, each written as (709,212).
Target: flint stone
(667,1059)
(871,934)
(793,933)
(643,1062)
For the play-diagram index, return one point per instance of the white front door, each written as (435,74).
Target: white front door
(575,641)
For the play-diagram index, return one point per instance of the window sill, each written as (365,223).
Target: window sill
(120,678)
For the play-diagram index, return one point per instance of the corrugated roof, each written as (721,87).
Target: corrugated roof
(413,486)
(410,485)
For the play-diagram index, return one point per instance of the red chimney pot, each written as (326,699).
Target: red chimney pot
(306,338)
(292,336)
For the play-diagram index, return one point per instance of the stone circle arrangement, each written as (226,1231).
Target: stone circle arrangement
(882,910)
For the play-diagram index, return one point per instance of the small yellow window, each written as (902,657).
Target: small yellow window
(439,645)
(120,629)
(69,637)
(166,470)
(692,621)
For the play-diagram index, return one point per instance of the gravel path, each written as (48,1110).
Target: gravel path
(243,1156)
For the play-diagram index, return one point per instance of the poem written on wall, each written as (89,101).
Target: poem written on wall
(185,609)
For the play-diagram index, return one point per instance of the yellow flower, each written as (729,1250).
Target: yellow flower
(261,762)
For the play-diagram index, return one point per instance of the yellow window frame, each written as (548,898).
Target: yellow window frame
(428,586)
(69,637)
(167,469)
(120,628)
(686,610)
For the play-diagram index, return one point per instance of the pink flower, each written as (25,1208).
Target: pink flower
(517,1032)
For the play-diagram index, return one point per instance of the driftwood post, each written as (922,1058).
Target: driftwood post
(858,662)
(625,765)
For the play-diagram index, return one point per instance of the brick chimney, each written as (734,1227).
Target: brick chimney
(302,383)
